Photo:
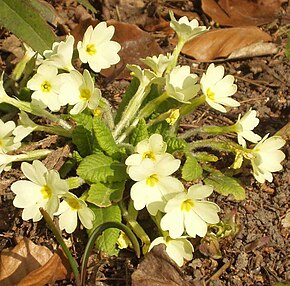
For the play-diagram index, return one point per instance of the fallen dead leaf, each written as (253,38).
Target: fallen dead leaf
(135,43)
(157,268)
(242,13)
(222,42)
(13,45)
(254,50)
(25,257)
(56,268)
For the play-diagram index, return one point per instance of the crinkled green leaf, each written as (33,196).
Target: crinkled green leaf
(174,144)
(139,133)
(84,119)
(191,170)
(24,21)
(107,241)
(225,185)
(104,137)
(101,168)
(103,195)
(131,90)
(84,140)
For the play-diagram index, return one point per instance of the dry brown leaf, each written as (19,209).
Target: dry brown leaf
(25,257)
(242,13)
(222,42)
(254,50)
(135,44)
(55,269)
(157,268)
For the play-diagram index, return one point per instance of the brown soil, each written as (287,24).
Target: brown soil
(260,253)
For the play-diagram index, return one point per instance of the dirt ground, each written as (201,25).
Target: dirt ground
(260,252)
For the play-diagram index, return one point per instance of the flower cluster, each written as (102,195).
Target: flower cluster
(110,150)
(57,83)
(44,189)
(185,212)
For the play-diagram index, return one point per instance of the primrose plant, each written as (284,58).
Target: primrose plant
(131,159)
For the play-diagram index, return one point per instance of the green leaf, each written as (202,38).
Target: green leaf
(107,241)
(191,170)
(45,10)
(84,119)
(174,144)
(131,90)
(88,5)
(104,137)
(139,133)
(84,140)
(225,185)
(103,195)
(101,168)
(24,21)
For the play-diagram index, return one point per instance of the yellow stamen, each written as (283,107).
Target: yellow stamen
(91,49)
(46,192)
(187,205)
(85,94)
(149,155)
(46,86)
(210,94)
(152,180)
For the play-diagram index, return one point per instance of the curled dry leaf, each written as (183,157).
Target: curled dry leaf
(135,44)
(55,269)
(28,264)
(222,42)
(242,13)
(157,268)
(25,257)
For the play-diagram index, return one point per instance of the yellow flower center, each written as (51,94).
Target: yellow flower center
(46,86)
(149,155)
(187,205)
(73,203)
(46,192)
(1,143)
(85,94)
(174,115)
(91,49)
(168,239)
(210,94)
(97,112)
(152,180)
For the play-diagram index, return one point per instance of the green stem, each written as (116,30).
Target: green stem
(175,54)
(157,220)
(58,130)
(147,110)
(95,235)
(33,109)
(137,229)
(60,240)
(228,145)
(188,108)
(210,130)
(130,111)
(104,104)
